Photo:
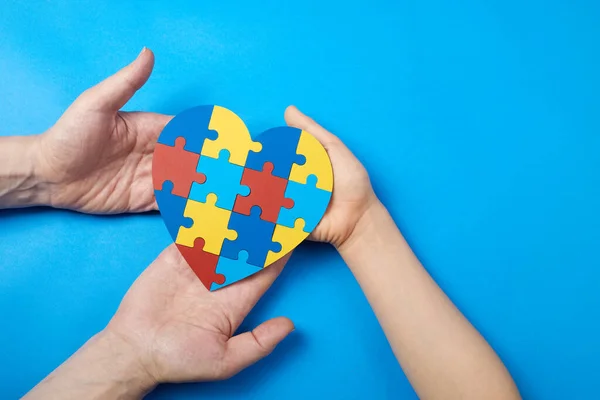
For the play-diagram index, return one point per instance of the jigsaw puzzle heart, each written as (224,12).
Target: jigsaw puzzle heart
(234,205)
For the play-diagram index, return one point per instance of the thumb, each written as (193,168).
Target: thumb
(294,117)
(247,348)
(112,93)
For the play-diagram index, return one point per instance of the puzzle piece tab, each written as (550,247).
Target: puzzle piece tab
(233,137)
(171,209)
(222,179)
(234,270)
(278,147)
(253,235)
(317,163)
(266,191)
(191,124)
(176,165)
(210,223)
(310,204)
(288,238)
(202,263)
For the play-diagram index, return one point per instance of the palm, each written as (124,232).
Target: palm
(183,332)
(102,161)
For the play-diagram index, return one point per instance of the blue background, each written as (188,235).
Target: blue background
(478,123)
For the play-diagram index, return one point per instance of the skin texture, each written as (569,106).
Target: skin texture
(169,328)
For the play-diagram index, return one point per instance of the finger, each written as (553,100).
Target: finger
(247,348)
(294,117)
(241,296)
(112,93)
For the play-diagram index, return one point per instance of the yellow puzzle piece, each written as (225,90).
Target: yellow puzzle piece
(210,223)
(233,137)
(317,163)
(289,238)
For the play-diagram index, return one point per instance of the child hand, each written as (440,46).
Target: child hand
(352,191)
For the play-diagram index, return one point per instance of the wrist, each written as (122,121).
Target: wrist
(106,367)
(364,230)
(21,183)
(118,367)
(125,369)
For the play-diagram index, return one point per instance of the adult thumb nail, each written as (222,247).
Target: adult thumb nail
(141,52)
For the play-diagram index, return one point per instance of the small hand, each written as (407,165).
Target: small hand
(182,332)
(352,191)
(97,159)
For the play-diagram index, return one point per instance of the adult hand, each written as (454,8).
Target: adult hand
(180,331)
(352,192)
(169,328)
(97,159)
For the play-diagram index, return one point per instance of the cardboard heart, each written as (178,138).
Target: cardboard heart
(234,205)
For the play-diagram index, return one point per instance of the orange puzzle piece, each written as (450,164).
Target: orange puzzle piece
(178,166)
(203,264)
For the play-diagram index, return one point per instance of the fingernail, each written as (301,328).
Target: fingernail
(141,52)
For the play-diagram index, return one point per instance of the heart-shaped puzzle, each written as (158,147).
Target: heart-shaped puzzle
(234,205)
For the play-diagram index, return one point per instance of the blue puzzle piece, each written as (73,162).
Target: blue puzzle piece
(234,270)
(222,179)
(171,207)
(192,125)
(254,236)
(279,147)
(310,204)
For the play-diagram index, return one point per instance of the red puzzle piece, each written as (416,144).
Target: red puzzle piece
(202,263)
(176,165)
(266,191)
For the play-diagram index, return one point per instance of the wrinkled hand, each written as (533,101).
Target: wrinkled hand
(352,192)
(97,159)
(182,332)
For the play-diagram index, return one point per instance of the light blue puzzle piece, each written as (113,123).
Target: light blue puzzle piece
(310,204)
(234,270)
(222,179)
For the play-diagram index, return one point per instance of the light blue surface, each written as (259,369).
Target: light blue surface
(478,122)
